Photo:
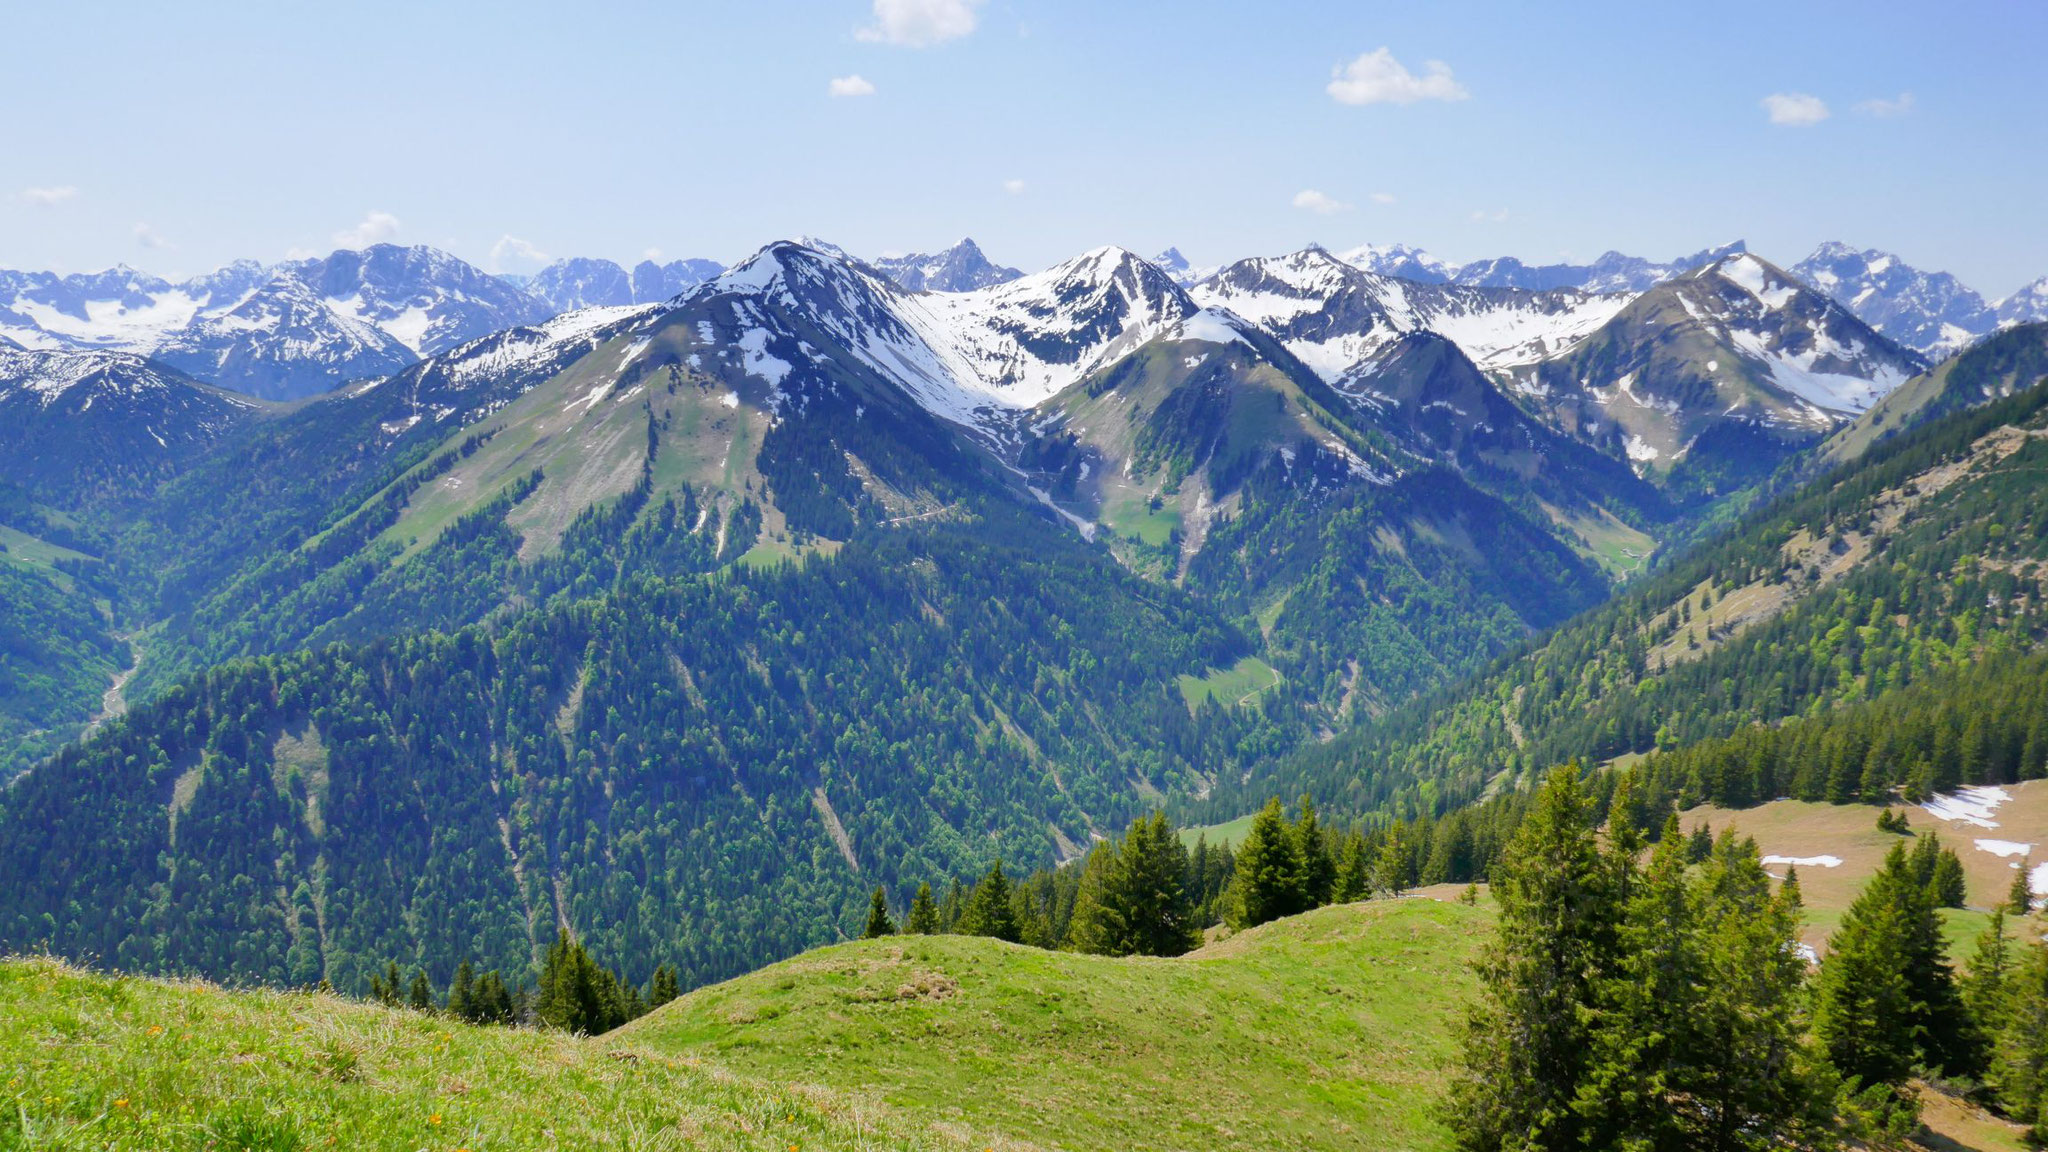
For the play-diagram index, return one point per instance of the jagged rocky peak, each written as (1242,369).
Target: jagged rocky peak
(961,268)
(1932,312)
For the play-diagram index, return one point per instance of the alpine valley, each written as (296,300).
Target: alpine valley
(374,610)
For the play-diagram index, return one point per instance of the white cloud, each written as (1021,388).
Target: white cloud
(920,23)
(1014,187)
(651,254)
(1378,78)
(376,228)
(1887,109)
(1383,197)
(1795,109)
(149,237)
(854,85)
(297,253)
(510,254)
(1495,216)
(1319,203)
(49,197)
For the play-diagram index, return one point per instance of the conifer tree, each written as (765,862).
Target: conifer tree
(951,908)
(987,911)
(1886,997)
(420,996)
(2019,1067)
(1390,865)
(1986,980)
(924,914)
(1269,881)
(1354,870)
(2019,899)
(1528,1043)
(1318,867)
(1099,927)
(577,994)
(459,991)
(663,988)
(879,923)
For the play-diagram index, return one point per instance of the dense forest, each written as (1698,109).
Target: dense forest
(909,710)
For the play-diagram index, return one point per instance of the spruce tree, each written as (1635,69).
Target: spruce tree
(2019,1066)
(924,914)
(2019,899)
(1986,980)
(988,911)
(1354,870)
(1318,866)
(420,996)
(459,992)
(1269,881)
(1099,925)
(1528,1044)
(1390,864)
(1886,997)
(879,923)
(663,988)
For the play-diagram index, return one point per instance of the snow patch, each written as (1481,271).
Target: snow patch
(1968,805)
(2004,848)
(1806,861)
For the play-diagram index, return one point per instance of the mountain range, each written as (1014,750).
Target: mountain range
(306,326)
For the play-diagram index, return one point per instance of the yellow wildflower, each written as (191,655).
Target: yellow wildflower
(434,1119)
(121,1103)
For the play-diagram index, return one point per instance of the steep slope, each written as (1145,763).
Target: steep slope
(425,299)
(282,342)
(1998,366)
(906,710)
(1247,1043)
(1333,316)
(961,268)
(77,426)
(1927,554)
(1930,312)
(1710,380)
(2029,305)
(174,1065)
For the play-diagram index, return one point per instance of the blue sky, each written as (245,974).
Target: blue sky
(175,137)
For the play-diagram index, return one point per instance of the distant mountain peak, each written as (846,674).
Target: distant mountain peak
(1929,311)
(961,268)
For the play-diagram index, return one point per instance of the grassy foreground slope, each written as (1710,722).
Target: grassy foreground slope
(1332,1029)
(91,1061)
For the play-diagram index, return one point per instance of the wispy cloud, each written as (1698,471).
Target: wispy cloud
(1014,187)
(511,253)
(1795,109)
(1319,203)
(651,254)
(1378,78)
(1887,108)
(49,197)
(1490,216)
(854,85)
(375,228)
(149,237)
(1383,198)
(920,23)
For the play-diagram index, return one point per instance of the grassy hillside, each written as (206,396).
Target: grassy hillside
(120,1064)
(1799,829)
(1328,1030)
